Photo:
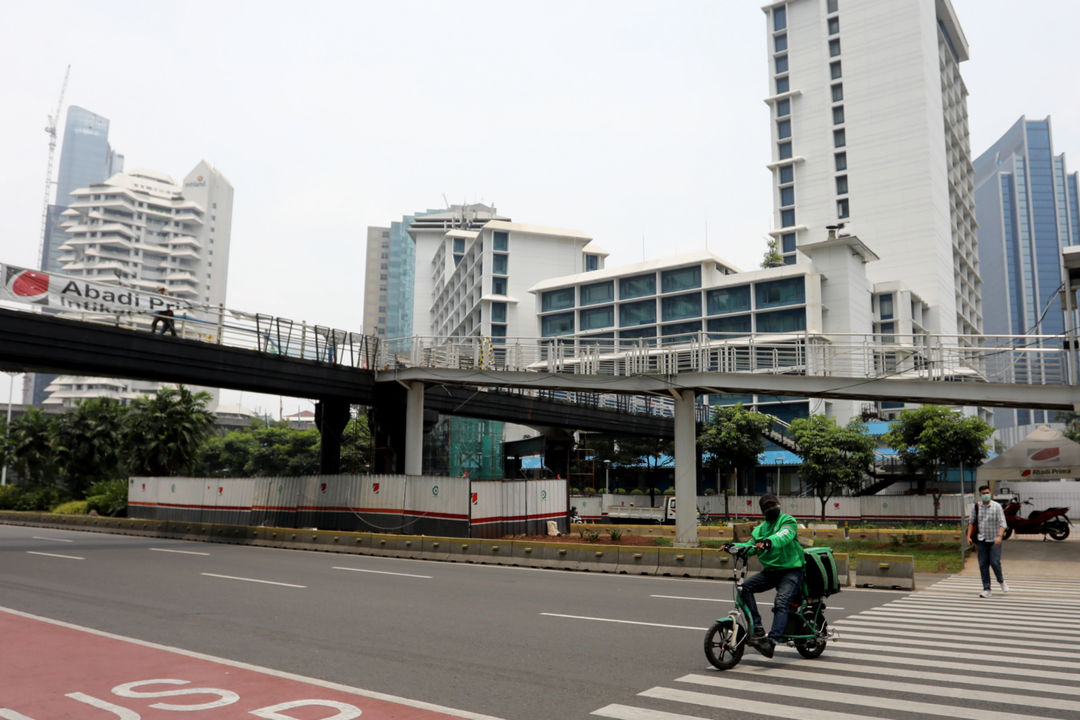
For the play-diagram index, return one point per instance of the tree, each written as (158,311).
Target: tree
(733,437)
(772,257)
(356,445)
(31,445)
(88,441)
(834,458)
(283,451)
(931,438)
(164,432)
(1072,425)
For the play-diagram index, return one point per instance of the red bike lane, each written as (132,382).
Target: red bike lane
(51,670)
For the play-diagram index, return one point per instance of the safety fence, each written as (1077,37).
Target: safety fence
(418,505)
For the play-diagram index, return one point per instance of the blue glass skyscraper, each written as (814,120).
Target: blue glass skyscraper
(1026,205)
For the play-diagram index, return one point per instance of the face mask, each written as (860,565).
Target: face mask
(986,497)
(772,513)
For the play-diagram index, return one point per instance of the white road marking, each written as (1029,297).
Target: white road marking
(626,712)
(55,555)
(877,654)
(383,572)
(463,714)
(939,653)
(625,622)
(180,552)
(50,539)
(831,696)
(254,580)
(856,625)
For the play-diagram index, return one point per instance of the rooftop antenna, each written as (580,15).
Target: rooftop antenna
(50,130)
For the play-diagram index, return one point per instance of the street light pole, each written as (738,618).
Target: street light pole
(7,427)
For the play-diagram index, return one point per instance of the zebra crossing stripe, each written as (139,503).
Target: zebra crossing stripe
(889,623)
(1008,679)
(876,654)
(798,674)
(1060,609)
(832,696)
(628,712)
(966,615)
(959,655)
(789,712)
(870,632)
(1042,622)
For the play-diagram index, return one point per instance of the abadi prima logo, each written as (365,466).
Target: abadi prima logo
(29,284)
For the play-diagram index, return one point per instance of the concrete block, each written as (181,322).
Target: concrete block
(680,562)
(894,571)
(638,560)
(716,564)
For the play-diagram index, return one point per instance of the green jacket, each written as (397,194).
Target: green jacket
(786,552)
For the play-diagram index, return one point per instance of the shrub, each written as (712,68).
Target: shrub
(109,497)
(619,491)
(9,495)
(590,491)
(669,491)
(637,491)
(710,491)
(615,533)
(590,535)
(72,507)
(575,491)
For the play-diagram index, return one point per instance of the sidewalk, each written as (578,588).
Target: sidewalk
(1028,556)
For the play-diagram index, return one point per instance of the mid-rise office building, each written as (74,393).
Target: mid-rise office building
(1028,210)
(869,129)
(86,157)
(144,231)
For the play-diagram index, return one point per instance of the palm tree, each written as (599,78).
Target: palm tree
(31,445)
(165,431)
(88,440)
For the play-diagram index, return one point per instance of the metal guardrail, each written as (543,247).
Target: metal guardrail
(1013,359)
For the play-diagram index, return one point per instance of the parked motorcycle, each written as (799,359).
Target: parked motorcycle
(1052,522)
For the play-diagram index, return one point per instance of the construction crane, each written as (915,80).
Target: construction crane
(50,129)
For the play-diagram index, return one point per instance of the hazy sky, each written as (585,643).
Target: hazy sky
(640,123)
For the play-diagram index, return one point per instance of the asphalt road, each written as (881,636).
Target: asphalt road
(514,643)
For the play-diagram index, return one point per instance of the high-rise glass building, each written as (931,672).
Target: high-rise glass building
(1028,210)
(869,128)
(86,157)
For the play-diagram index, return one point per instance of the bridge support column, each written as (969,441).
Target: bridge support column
(331,417)
(685,470)
(414,429)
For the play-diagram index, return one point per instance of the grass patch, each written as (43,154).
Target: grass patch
(929,557)
(75,507)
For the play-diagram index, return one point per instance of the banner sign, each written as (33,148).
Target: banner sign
(65,293)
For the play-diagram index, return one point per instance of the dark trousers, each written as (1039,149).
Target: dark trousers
(787,583)
(989,557)
(168,325)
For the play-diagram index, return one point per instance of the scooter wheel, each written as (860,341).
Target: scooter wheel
(1058,530)
(813,648)
(718,644)
(1007,534)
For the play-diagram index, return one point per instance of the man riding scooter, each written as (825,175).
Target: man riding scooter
(776,543)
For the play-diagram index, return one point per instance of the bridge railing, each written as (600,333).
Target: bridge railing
(1027,359)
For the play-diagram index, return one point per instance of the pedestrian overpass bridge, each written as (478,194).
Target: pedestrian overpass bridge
(264,353)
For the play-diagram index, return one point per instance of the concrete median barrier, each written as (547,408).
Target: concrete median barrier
(716,564)
(638,560)
(843,569)
(496,552)
(679,562)
(891,571)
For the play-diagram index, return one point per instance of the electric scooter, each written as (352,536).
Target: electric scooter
(727,638)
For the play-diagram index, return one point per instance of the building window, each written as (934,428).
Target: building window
(648,333)
(637,286)
(499,264)
(597,293)
(498,331)
(500,241)
(834,70)
(787,243)
(838,115)
(781,64)
(780,43)
(787,196)
(885,306)
(839,138)
(787,217)
(498,286)
(837,92)
(842,208)
(831,6)
(787,174)
(791,291)
(782,85)
(596,318)
(557,299)
(783,107)
(783,150)
(834,48)
(681,279)
(783,129)
(728,300)
(841,184)
(841,161)
(638,313)
(681,307)
(782,321)
(779,18)
(680,332)
(592,262)
(834,25)
(733,325)
(498,312)
(459,245)
(555,325)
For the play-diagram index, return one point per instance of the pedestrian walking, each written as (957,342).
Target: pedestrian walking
(986,531)
(165,317)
